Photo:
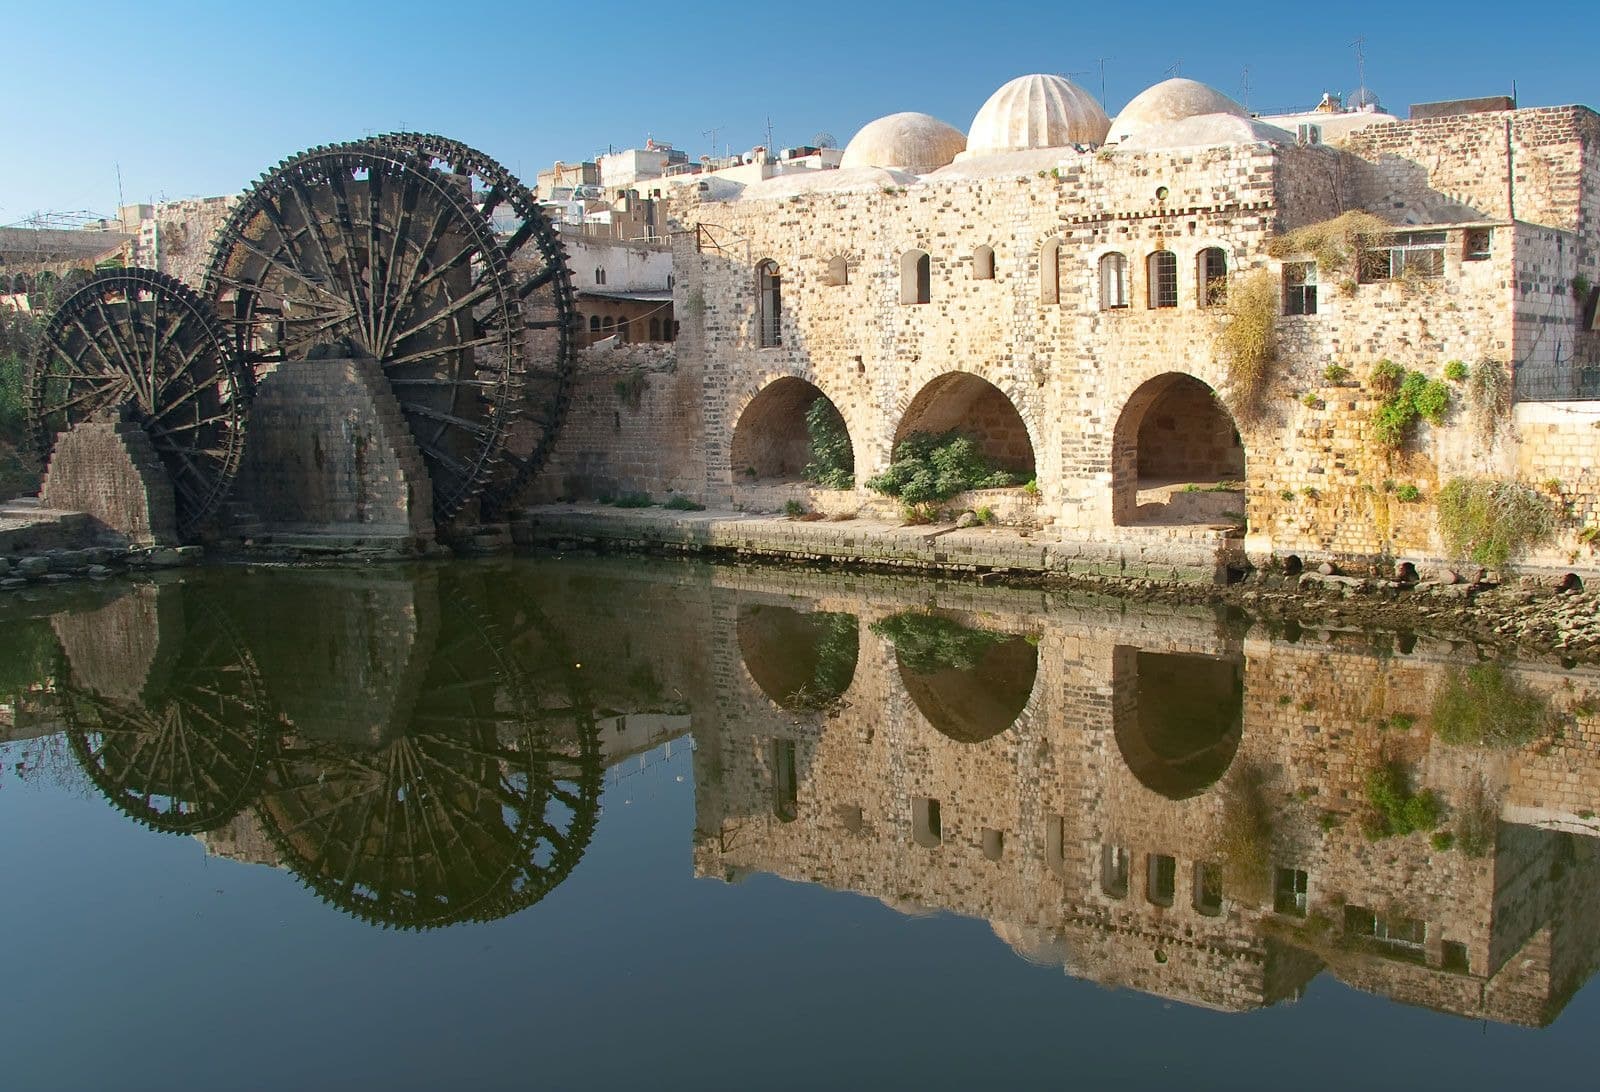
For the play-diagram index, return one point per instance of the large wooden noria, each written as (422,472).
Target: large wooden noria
(408,249)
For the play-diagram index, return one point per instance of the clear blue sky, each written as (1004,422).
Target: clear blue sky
(198,99)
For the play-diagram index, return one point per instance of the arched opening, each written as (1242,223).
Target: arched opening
(983,264)
(1211,276)
(1177,717)
(801,660)
(1162,272)
(971,684)
(965,403)
(769,305)
(916,277)
(1050,271)
(655,329)
(1113,282)
(1569,582)
(792,432)
(838,271)
(599,275)
(1177,457)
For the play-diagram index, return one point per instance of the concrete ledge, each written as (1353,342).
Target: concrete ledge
(1165,555)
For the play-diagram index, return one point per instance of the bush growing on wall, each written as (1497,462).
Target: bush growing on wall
(1490,521)
(1247,339)
(930,467)
(1484,707)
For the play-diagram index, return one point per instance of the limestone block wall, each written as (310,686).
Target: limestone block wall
(110,471)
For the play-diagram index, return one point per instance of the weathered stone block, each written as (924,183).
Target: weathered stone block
(110,471)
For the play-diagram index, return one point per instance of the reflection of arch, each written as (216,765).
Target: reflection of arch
(475,808)
(180,750)
(799,660)
(977,408)
(970,684)
(1177,717)
(771,437)
(1174,432)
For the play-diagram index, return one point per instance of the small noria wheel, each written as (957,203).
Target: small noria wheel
(138,340)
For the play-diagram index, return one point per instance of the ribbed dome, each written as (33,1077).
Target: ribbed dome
(1204,131)
(1171,100)
(1037,112)
(907,142)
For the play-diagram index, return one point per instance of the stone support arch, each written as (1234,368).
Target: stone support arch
(1173,444)
(770,441)
(972,404)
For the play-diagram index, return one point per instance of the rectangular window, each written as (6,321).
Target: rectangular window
(1208,889)
(1114,871)
(785,781)
(1300,288)
(1161,879)
(1407,254)
(1289,892)
(1455,956)
(1163,270)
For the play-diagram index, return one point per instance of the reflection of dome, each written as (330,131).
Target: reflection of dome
(1037,112)
(1190,716)
(1171,100)
(909,142)
(1038,946)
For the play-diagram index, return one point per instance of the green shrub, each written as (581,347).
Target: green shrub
(1386,375)
(1335,373)
(1394,808)
(984,514)
(27,656)
(1483,706)
(832,464)
(926,643)
(1442,840)
(1455,371)
(634,500)
(1477,821)
(838,645)
(679,503)
(793,509)
(1310,400)
(1243,837)
(1490,521)
(1407,494)
(1416,396)
(930,467)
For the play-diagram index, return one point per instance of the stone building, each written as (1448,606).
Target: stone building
(1057,283)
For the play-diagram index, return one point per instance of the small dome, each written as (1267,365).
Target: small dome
(1037,112)
(1171,100)
(906,142)
(1204,131)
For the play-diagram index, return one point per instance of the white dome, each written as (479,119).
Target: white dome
(1204,131)
(906,142)
(1171,100)
(1037,112)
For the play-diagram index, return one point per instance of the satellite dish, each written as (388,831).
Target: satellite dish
(824,139)
(1362,98)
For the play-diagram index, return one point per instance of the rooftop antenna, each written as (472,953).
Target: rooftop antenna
(118,166)
(769,134)
(1101,62)
(1177,68)
(1360,46)
(711,135)
(1244,87)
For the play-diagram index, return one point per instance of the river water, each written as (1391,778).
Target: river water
(590,823)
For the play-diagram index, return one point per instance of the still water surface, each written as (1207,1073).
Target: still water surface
(593,824)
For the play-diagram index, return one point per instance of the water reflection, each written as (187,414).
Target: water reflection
(413,762)
(1150,798)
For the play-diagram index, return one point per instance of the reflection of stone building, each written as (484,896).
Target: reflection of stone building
(1171,809)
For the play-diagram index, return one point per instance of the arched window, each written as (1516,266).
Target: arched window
(838,271)
(1114,871)
(670,281)
(785,781)
(608,323)
(655,329)
(599,275)
(927,826)
(594,324)
(983,264)
(1113,281)
(916,277)
(622,328)
(1050,271)
(1211,274)
(769,305)
(1162,270)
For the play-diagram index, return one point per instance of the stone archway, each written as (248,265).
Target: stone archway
(772,442)
(972,405)
(1177,457)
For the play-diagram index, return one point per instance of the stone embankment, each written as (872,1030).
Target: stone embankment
(1541,616)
